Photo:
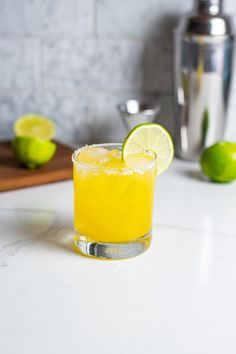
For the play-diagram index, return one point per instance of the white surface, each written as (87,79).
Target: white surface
(178,298)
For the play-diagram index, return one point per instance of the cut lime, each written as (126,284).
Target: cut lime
(150,137)
(218,162)
(35,125)
(33,152)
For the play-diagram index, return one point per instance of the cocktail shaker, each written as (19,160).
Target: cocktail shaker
(202,71)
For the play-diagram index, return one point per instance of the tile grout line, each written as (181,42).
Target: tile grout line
(94,19)
(93,118)
(75,93)
(40,69)
(85,39)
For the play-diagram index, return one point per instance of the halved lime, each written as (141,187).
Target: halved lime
(35,125)
(150,137)
(33,152)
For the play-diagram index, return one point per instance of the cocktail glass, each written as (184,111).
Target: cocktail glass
(113,204)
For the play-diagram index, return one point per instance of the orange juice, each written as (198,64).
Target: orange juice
(113,199)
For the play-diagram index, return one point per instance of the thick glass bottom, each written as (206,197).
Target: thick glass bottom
(104,250)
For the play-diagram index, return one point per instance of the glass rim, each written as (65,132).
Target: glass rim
(118,145)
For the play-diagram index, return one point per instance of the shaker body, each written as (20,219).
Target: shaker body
(202,75)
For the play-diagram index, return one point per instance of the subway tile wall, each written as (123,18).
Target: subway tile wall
(75,60)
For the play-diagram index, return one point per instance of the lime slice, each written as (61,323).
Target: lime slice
(33,152)
(218,162)
(35,125)
(150,137)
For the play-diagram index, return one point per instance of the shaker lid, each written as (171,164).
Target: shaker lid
(208,7)
(206,19)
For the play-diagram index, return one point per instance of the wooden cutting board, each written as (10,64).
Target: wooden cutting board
(14,176)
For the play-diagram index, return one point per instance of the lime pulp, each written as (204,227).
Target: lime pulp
(34,125)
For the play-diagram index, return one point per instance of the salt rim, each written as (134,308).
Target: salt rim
(112,170)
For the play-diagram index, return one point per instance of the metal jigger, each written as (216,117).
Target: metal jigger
(134,112)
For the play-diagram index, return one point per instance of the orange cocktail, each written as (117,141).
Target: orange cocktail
(113,201)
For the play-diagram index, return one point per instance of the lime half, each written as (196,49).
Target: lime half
(35,125)
(33,152)
(150,137)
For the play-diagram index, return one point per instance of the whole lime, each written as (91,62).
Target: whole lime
(33,152)
(218,162)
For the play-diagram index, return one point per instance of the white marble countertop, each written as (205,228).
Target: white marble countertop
(177,298)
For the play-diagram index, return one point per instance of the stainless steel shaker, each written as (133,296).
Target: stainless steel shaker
(203,56)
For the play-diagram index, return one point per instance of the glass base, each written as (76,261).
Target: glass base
(104,250)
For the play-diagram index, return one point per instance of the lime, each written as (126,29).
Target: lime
(33,152)
(150,137)
(218,162)
(35,125)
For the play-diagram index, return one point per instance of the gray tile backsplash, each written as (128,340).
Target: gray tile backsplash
(150,19)
(92,66)
(76,60)
(57,18)
(19,64)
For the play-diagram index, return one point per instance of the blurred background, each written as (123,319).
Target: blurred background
(75,60)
